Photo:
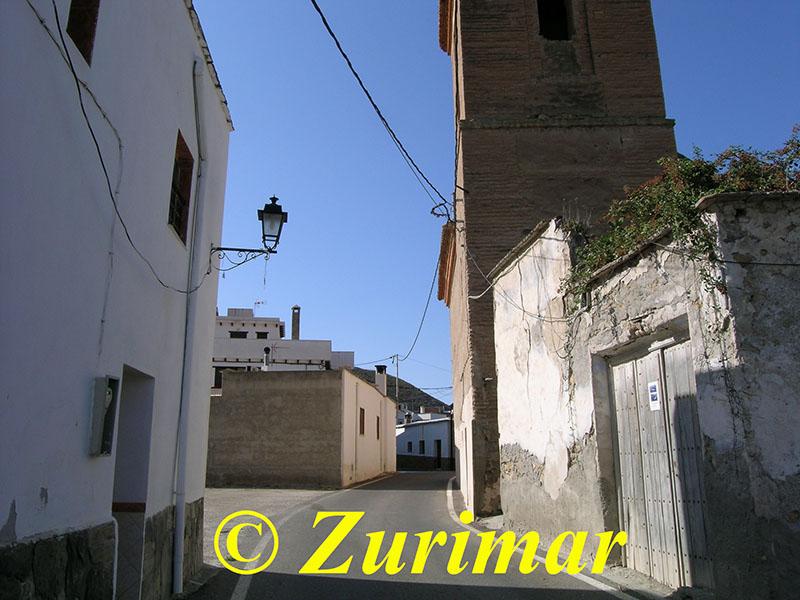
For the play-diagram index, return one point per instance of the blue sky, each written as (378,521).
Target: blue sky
(360,247)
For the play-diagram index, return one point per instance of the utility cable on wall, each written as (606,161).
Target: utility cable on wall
(444,204)
(105,169)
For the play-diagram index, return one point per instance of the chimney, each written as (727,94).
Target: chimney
(295,322)
(380,378)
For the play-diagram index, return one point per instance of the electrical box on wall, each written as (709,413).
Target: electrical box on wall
(104,412)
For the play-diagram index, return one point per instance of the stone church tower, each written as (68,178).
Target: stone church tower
(558,107)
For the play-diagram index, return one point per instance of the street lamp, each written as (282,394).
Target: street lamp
(272,218)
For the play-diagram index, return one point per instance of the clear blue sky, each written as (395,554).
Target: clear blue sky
(360,247)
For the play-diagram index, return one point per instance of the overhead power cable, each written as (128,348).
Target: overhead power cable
(444,204)
(374,362)
(424,313)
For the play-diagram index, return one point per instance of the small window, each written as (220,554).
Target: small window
(554,19)
(217,377)
(410,447)
(180,195)
(422,446)
(378,427)
(361,421)
(82,25)
(238,335)
(262,335)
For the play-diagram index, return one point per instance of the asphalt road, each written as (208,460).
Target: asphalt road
(411,502)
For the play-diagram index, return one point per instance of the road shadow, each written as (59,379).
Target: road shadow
(410,481)
(283,586)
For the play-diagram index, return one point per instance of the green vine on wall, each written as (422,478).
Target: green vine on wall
(667,203)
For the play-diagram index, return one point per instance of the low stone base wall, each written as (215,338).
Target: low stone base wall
(158,549)
(77,566)
(80,565)
(409,462)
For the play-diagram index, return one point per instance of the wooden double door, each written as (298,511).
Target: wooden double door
(662,500)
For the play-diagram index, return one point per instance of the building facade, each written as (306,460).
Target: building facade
(665,408)
(244,342)
(558,107)
(425,443)
(103,436)
(326,429)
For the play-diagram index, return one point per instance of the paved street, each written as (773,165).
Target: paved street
(412,502)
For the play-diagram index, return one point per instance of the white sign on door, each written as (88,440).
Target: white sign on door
(653,395)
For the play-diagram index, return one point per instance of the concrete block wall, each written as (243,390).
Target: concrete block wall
(276,429)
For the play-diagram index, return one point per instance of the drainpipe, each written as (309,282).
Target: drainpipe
(182,440)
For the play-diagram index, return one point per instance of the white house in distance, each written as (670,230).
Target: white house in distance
(240,340)
(424,441)
(104,387)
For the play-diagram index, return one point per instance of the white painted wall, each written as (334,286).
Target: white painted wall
(59,234)
(429,431)
(529,381)
(365,456)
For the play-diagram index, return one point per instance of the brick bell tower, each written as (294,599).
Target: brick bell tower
(558,107)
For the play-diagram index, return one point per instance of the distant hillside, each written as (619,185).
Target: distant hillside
(410,395)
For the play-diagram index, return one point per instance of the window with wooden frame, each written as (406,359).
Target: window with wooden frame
(181,192)
(361,421)
(82,25)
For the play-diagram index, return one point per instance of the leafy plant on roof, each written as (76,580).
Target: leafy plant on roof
(667,204)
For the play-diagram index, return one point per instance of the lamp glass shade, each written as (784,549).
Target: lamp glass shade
(272,218)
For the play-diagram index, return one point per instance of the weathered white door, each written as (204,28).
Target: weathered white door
(660,458)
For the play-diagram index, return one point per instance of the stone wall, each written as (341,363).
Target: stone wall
(555,413)
(159,538)
(751,398)
(78,565)
(276,429)
(544,127)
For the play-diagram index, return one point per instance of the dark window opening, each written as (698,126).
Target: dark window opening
(238,335)
(82,25)
(361,421)
(410,447)
(554,19)
(180,194)
(217,377)
(378,427)
(262,335)
(422,446)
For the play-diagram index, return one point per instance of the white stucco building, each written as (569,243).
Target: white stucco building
(240,340)
(104,354)
(424,441)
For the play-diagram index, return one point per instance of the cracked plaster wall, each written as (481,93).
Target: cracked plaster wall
(557,470)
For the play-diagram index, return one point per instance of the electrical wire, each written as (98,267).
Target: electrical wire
(507,297)
(373,362)
(412,164)
(105,169)
(429,365)
(424,312)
